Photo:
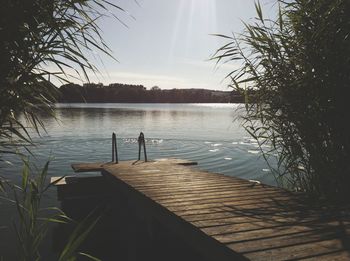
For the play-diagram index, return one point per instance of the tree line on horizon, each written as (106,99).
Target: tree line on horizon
(117,92)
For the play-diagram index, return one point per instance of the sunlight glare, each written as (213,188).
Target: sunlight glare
(193,14)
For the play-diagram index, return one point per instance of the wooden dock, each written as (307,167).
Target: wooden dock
(227,218)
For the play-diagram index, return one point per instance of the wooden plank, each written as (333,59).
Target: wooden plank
(233,217)
(220,223)
(273,236)
(159,192)
(58,181)
(98,166)
(88,167)
(202,197)
(327,249)
(175,161)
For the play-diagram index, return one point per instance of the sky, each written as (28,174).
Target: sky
(168,43)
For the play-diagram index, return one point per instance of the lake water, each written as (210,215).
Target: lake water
(210,134)
(206,133)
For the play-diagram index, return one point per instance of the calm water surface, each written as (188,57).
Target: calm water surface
(206,133)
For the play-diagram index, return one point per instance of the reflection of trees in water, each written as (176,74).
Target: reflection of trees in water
(95,113)
(180,121)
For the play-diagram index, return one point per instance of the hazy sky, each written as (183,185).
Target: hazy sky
(168,44)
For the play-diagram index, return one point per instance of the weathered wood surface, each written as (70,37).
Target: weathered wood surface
(88,167)
(229,218)
(98,166)
(58,181)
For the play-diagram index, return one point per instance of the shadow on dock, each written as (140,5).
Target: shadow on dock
(122,232)
(166,210)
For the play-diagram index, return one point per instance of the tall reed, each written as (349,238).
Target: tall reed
(294,74)
(41,40)
(33,221)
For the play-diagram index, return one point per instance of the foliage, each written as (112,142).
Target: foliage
(116,92)
(41,40)
(295,73)
(33,221)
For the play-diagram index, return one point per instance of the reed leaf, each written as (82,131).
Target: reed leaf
(59,34)
(294,73)
(41,40)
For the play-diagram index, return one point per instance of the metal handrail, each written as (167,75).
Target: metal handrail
(114,148)
(141,141)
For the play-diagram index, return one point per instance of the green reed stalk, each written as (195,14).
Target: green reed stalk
(41,40)
(33,221)
(294,74)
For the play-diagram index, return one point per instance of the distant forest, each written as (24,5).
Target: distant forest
(117,92)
